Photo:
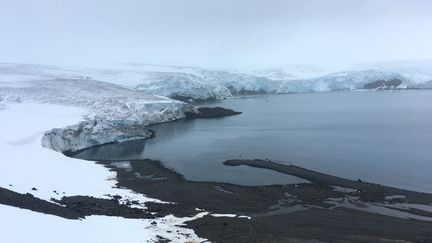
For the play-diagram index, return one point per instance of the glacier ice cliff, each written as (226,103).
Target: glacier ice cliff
(115,113)
(91,133)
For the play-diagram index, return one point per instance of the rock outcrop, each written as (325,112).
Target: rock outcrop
(384,84)
(211,112)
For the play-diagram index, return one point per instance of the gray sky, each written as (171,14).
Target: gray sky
(217,33)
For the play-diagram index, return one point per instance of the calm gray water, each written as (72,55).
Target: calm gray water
(382,137)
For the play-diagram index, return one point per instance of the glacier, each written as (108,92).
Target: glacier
(115,113)
(197,84)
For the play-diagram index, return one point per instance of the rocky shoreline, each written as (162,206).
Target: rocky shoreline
(328,209)
(211,112)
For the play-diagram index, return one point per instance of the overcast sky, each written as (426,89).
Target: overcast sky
(215,33)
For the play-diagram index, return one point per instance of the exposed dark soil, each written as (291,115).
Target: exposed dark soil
(75,207)
(86,205)
(154,180)
(28,201)
(272,218)
(211,112)
(318,221)
(313,225)
(368,192)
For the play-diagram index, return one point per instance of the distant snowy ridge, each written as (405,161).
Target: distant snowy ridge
(350,80)
(195,83)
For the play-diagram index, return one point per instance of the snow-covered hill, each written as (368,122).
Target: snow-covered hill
(110,107)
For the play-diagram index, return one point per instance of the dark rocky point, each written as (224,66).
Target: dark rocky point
(211,112)
(190,99)
(384,84)
(117,197)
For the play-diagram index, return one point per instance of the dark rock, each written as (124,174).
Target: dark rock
(211,112)
(28,201)
(161,239)
(313,225)
(249,92)
(34,189)
(190,99)
(384,84)
(235,91)
(97,206)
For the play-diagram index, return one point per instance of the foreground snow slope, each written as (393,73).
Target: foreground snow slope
(26,164)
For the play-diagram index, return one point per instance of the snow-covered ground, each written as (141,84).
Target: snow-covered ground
(26,164)
(27,226)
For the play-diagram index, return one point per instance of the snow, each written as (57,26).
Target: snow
(26,164)
(107,101)
(291,72)
(26,226)
(16,80)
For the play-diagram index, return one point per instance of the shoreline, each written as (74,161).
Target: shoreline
(319,211)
